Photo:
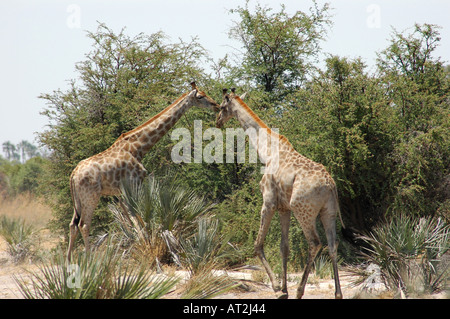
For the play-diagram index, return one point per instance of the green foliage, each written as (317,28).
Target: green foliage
(163,220)
(277,48)
(346,124)
(21,176)
(418,87)
(239,214)
(122,83)
(206,249)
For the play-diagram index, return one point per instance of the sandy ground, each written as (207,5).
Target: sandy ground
(250,288)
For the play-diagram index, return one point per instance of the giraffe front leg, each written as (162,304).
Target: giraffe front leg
(267,213)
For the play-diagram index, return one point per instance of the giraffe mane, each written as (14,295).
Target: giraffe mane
(258,120)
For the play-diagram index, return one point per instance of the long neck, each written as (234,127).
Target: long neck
(263,139)
(141,139)
(246,117)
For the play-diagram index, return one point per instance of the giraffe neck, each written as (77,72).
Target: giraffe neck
(141,139)
(268,141)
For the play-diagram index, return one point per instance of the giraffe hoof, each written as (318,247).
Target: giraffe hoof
(282,295)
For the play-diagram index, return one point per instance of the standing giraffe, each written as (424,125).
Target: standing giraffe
(291,183)
(103,173)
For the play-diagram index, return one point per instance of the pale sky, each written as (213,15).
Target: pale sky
(41,41)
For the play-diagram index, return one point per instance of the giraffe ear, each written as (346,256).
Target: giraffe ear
(243,96)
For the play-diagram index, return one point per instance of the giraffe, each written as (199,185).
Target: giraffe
(291,183)
(103,173)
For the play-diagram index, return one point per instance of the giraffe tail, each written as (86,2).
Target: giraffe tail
(349,233)
(338,210)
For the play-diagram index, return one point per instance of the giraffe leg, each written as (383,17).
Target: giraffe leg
(328,218)
(73,234)
(84,230)
(86,218)
(285,218)
(267,213)
(314,246)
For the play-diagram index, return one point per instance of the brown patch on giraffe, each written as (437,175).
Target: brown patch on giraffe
(160,126)
(154,139)
(144,139)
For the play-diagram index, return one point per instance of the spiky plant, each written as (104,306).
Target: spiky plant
(207,285)
(102,274)
(410,253)
(323,267)
(145,211)
(206,248)
(18,236)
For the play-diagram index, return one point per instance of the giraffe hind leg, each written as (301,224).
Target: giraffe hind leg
(73,234)
(314,245)
(285,218)
(328,219)
(81,222)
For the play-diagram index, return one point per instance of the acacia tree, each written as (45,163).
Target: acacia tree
(122,82)
(277,48)
(384,136)
(418,86)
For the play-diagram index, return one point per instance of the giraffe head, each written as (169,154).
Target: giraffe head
(226,108)
(200,99)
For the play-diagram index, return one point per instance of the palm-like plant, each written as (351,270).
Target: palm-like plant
(146,211)
(205,249)
(410,253)
(164,219)
(103,274)
(18,236)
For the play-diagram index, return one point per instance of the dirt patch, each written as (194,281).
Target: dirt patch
(248,289)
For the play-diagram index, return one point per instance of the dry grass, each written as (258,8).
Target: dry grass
(34,212)
(26,207)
